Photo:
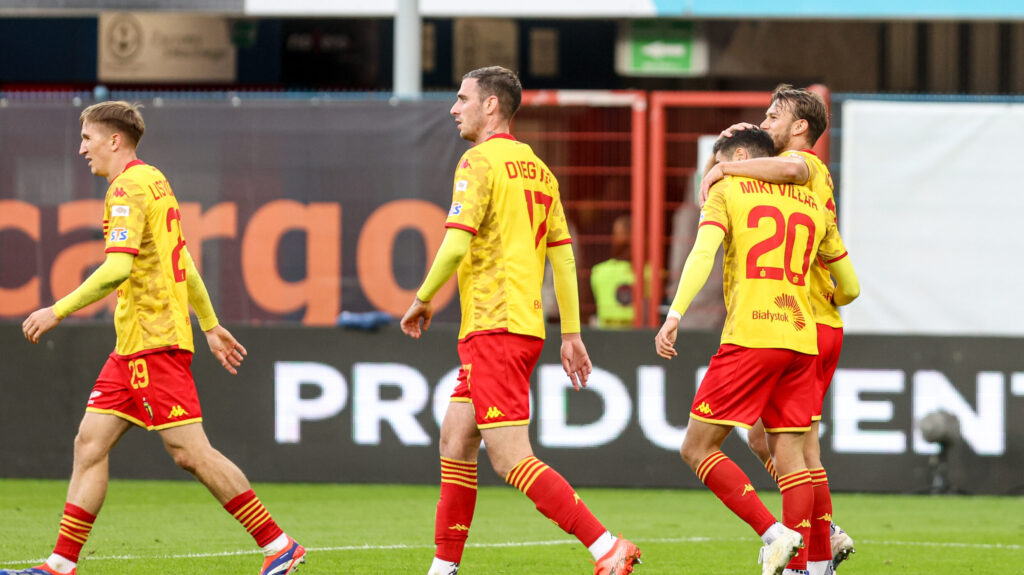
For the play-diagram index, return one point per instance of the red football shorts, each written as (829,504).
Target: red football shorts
(743,384)
(495,377)
(830,343)
(153,391)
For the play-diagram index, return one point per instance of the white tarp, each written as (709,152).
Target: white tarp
(930,206)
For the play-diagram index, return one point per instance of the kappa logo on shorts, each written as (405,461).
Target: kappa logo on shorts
(705,408)
(493,412)
(748,488)
(176,411)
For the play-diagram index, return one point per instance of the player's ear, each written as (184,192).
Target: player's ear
(740,154)
(800,126)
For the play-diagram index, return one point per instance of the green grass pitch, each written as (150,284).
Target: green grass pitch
(172,527)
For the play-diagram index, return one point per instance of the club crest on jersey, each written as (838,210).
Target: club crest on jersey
(119,234)
(456,209)
(120,211)
(461,185)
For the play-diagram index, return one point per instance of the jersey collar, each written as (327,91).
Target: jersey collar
(132,164)
(500,135)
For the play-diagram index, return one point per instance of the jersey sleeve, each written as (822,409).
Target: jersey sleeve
(832,248)
(471,194)
(124,216)
(714,210)
(558,226)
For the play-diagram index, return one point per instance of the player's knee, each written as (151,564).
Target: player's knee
(186,459)
(88,449)
(692,455)
(758,443)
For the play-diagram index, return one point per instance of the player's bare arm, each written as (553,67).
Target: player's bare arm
(417,318)
(575,360)
(778,170)
(38,323)
(665,341)
(226,348)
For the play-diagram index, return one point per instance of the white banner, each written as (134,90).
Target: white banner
(929,205)
(165,47)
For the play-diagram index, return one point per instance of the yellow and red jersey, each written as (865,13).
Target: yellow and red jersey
(508,199)
(141,217)
(773,235)
(819,180)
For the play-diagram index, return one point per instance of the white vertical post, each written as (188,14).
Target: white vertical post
(408,60)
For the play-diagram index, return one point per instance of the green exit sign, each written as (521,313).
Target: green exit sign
(661,48)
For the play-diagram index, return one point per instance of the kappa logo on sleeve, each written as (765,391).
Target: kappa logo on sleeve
(119,234)
(456,209)
(120,211)
(461,185)
(119,193)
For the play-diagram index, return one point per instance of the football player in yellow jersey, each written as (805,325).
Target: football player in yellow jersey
(506,218)
(773,235)
(147,380)
(796,118)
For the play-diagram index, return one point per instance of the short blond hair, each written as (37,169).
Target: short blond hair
(119,116)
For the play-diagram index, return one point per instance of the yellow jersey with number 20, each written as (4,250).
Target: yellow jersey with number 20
(773,235)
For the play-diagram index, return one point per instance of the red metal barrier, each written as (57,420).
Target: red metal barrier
(678,119)
(595,142)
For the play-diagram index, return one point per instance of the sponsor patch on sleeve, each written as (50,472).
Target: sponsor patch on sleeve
(702,214)
(120,211)
(456,209)
(119,234)
(461,185)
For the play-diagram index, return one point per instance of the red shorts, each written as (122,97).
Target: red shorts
(495,377)
(743,384)
(830,343)
(154,391)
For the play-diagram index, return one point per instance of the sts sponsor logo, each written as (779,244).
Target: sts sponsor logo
(456,209)
(119,234)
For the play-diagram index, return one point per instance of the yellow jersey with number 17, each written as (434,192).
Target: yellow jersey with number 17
(141,217)
(773,235)
(508,199)
(819,180)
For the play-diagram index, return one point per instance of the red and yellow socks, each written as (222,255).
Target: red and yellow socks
(769,464)
(726,480)
(797,504)
(75,526)
(555,499)
(454,508)
(250,512)
(819,548)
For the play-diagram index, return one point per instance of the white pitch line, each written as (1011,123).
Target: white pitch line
(507,544)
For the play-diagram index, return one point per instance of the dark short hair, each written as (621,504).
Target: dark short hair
(500,82)
(757,142)
(119,116)
(805,105)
